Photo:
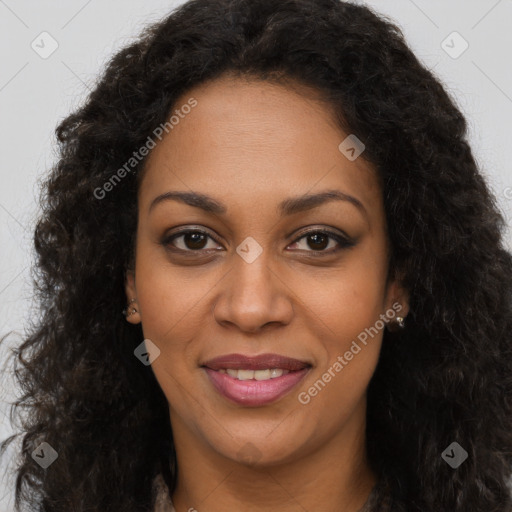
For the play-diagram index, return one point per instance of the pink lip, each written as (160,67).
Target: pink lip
(254,393)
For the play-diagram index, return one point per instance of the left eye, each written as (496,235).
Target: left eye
(318,240)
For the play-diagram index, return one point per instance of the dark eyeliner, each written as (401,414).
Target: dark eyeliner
(167,239)
(344,242)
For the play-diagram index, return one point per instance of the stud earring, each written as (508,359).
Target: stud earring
(400,321)
(129,311)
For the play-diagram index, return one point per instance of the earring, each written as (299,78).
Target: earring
(132,310)
(400,321)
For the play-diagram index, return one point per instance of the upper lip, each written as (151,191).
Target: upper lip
(259,362)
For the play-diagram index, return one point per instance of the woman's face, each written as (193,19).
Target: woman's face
(252,282)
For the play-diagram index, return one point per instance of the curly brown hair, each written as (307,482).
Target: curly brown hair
(447,376)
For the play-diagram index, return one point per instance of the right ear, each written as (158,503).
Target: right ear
(132,306)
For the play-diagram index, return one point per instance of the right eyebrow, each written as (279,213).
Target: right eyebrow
(196,199)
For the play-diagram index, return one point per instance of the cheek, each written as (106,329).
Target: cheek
(349,299)
(353,333)
(169,297)
(169,309)
(348,355)
(348,306)
(169,305)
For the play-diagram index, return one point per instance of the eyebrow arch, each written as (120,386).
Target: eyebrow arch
(289,206)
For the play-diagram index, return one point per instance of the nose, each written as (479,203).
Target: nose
(252,297)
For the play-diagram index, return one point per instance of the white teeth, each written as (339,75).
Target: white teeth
(255,374)
(262,374)
(245,374)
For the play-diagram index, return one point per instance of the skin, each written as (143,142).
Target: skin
(251,144)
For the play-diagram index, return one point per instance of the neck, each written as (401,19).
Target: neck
(333,478)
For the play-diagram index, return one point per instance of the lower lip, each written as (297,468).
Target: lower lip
(254,393)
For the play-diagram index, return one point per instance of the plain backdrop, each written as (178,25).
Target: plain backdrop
(467,43)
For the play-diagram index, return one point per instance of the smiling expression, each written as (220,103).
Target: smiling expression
(257,236)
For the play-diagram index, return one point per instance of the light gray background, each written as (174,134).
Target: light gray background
(36,93)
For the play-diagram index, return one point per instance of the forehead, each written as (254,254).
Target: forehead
(259,139)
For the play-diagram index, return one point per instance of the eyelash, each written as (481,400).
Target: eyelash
(344,243)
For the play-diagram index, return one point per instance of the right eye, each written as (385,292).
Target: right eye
(190,240)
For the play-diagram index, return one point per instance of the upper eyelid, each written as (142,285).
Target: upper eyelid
(330,231)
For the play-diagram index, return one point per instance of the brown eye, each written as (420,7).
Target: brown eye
(319,240)
(194,240)
(188,241)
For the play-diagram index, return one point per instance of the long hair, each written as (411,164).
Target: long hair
(447,377)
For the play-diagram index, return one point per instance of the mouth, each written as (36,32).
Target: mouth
(254,381)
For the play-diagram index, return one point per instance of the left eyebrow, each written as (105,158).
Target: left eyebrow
(289,206)
(310,201)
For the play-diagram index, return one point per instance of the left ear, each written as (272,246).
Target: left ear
(397,298)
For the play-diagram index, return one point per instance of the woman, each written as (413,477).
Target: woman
(317,300)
